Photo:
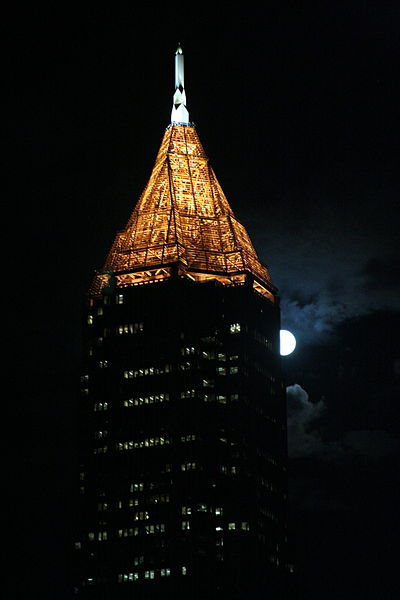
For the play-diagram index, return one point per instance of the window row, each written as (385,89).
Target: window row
(152,499)
(164,397)
(156,528)
(146,529)
(151,485)
(146,443)
(119,299)
(100,536)
(129,328)
(146,575)
(133,373)
(153,399)
(187,510)
(220,356)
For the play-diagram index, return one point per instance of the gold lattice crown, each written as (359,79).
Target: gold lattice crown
(183,224)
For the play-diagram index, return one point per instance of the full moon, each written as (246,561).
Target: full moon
(288,342)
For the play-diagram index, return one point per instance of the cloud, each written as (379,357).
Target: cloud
(302,439)
(306,439)
(311,320)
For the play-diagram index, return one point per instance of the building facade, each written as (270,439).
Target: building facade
(182,410)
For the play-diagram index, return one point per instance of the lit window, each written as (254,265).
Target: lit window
(221,356)
(188,394)
(185,525)
(219,528)
(231,526)
(119,299)
(245,526)
(234,328)
(100,310)
(141,516)
(208,397)
(157,528)
(219,511)
(189,350)
(99,406)
(208,383)
(221,371)
(90,319)
(189,437)
(234,370)
(186,366)
(137,487)
(184,570)
(149,574)
(188,466)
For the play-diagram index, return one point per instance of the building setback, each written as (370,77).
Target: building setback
(182,411)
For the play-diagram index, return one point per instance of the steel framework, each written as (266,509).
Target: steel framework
(183,224)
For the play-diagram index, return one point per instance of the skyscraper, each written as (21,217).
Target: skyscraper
(182,411)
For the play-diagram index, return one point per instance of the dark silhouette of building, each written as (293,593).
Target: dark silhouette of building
(182,409)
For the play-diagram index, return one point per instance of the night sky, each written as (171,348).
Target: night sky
(297,107)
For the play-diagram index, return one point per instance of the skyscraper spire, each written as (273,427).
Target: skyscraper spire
(182,221)
(179,111)
(182,433)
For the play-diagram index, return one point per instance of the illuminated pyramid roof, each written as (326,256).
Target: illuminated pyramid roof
(182,223)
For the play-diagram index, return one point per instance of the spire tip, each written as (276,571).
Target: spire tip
(179,111)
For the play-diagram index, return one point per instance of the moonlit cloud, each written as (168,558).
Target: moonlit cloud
(306,440)
(302,439)
(310,321)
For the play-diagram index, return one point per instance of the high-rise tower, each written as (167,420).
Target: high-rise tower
(182,414)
